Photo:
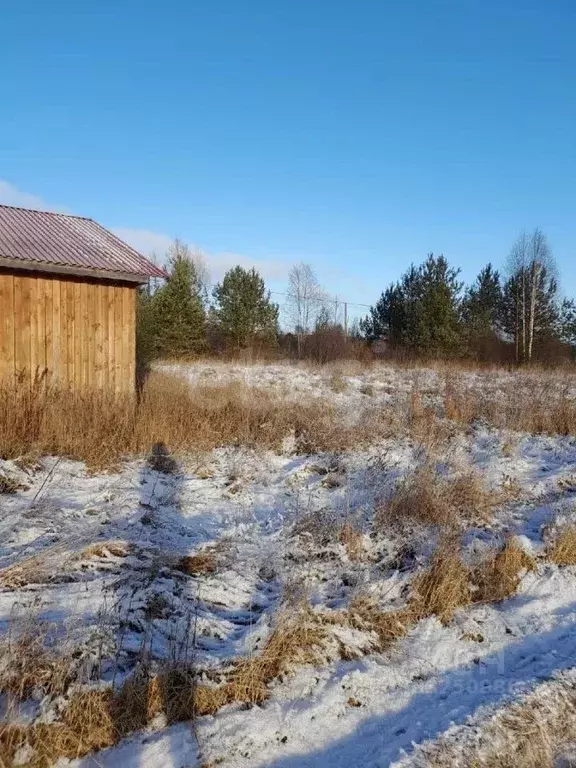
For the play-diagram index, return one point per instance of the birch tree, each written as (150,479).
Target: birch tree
(530,289)
(304,300)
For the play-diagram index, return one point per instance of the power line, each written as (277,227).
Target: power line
(326,300)
(323,300)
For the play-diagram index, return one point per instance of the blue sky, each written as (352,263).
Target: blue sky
(356,136)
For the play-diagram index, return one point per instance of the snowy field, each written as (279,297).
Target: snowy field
(197,561)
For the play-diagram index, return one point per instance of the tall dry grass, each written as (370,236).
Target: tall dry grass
(499,576)
(101,429)
(538,403)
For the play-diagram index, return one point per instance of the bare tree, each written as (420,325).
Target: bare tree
(304,300)
(541,261)
(530,263)
(517,264)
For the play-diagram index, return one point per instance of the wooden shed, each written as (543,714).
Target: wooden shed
(67,301)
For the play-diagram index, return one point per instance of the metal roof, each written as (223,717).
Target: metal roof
(70,244)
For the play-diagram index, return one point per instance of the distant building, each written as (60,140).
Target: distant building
(67,301)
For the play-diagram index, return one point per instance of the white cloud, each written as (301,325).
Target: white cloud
(11,195)
(147,242)
(144,240)
(270,269)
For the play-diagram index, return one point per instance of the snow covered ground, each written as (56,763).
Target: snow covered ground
(97,561)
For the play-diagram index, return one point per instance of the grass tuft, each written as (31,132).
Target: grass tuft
(563,549)
(425,498)
(353,542)
(500,575)
(194,565)
(443,587)
(365,614)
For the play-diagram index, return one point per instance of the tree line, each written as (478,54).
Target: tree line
(521,316)
(183,318)
(428,312)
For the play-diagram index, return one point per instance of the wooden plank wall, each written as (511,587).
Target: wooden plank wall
(72,333)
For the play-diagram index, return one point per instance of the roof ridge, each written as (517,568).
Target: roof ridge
(48,213)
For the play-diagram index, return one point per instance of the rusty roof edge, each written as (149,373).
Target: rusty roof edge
(63,269)
(160,270)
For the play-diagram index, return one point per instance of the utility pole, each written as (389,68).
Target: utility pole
(345,321)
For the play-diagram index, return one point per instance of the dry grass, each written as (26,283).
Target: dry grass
(365,614)
(563,549)
(422,422)
(318,528)
(353,542)
(443,587)
(51,563)
(296,640)
(529,734)
(27,665)
(500,575)
(440,590)
(367,389)
(103,549)
(32,570)
(99,718)
(37,569)
(92,720)
(88,723)
(194,565)
(101,429)
(427,499)
(537,403)
(338,384)
(417,499)
(469,498)
(9,485)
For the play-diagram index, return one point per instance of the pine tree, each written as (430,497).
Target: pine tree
(567,322)
(481,312)
(376,325)
(245,315)
(388,319)
(421,311)
(439,329)
(323,320)
(145,334)
(178,310)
